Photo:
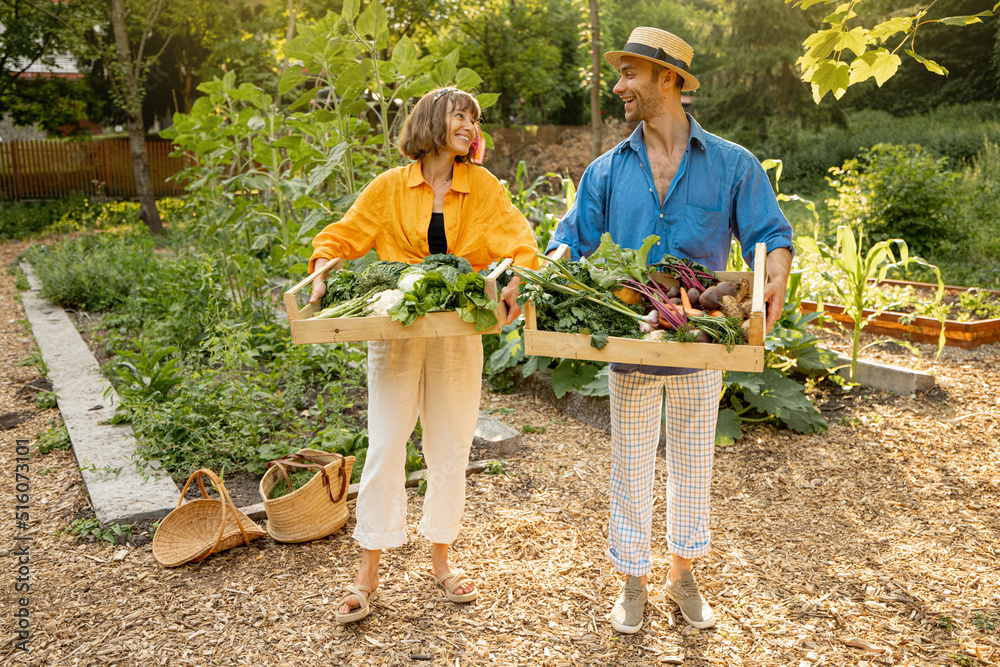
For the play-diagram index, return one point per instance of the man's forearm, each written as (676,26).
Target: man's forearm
(779,265)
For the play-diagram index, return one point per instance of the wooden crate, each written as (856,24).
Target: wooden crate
(344,329)
(709,356)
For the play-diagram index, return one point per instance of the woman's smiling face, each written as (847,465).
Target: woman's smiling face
(461,130)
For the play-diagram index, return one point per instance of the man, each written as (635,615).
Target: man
(694,190)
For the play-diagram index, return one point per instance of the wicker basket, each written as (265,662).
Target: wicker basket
(199,528)
(319,507)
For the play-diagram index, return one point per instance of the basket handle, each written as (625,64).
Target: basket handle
(343,480)
(227,504)
(281,463)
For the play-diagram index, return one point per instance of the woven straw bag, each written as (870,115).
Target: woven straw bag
(199,528)
(319,507)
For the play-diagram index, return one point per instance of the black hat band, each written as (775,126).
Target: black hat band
(655,53)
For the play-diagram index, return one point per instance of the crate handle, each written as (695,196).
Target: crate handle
(292,303)
(755,335)
(561,252)
(491,290)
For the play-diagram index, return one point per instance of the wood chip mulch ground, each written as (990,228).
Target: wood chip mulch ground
(875,543)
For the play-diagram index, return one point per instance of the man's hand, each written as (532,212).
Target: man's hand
(319,284)
(779,265)
(509,295)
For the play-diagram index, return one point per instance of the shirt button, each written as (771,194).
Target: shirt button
(661,215)
(651,189)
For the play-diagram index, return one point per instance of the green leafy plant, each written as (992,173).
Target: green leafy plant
(847,53)
(104,471)
(986,621)
(496,467)
(306,161)
(530,428)
(897,192)
(54,438)
(35,359)
(111,533)
(541,207)
(147,373)
(854,274)
(45,400)
(963,660)
(979,304)
(94,272)
(776,395)
(414,458)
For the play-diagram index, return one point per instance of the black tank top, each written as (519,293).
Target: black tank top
(436,239)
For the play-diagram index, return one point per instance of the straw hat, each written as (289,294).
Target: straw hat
(660,47)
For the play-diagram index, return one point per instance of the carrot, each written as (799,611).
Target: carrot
(715,313)
(686,302)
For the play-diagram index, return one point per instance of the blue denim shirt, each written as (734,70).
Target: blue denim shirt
(720,190)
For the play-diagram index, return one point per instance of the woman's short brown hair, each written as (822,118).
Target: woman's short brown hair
(426,129)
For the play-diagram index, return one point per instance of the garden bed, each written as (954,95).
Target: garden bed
(908,326)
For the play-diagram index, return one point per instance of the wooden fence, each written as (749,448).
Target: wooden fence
(101,167)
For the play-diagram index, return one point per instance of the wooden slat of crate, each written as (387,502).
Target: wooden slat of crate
(708,356)
(348,329)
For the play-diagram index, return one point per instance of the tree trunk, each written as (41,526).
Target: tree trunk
(595,83)
(143,178)
(130,85)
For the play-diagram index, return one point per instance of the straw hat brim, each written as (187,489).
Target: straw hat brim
(690,82)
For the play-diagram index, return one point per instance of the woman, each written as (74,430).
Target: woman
(440,203)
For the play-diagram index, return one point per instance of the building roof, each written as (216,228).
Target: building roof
(61,65)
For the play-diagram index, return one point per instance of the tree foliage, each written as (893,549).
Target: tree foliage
(755,91)
(848,52)
(525,50)
(32,33)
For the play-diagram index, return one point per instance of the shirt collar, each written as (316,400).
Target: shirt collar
(696,139)
(459,176)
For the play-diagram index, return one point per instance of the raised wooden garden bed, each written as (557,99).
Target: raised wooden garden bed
(918,329)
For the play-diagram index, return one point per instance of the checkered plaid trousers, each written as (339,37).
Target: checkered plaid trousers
(692,407)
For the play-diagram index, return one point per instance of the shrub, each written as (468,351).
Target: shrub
(94,272)
(977,203)
(892,192)
(954,131)
(22,220)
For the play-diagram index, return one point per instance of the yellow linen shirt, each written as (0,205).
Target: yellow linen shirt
(392,215)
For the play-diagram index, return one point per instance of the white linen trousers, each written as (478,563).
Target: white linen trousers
(692,407)
(439,380)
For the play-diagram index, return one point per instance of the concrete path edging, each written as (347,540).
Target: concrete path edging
(119,491)
(894,379)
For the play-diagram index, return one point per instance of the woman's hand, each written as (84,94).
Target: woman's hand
(509,295)
(319,284)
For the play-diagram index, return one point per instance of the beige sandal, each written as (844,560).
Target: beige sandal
(454,580)
(363,595)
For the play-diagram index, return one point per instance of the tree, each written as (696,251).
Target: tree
(526,50)
(595,81)
(828,67)
(31,33)
(967,53)
(128,68)
(755,92)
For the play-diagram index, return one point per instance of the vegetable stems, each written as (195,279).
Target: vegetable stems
(536,278)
